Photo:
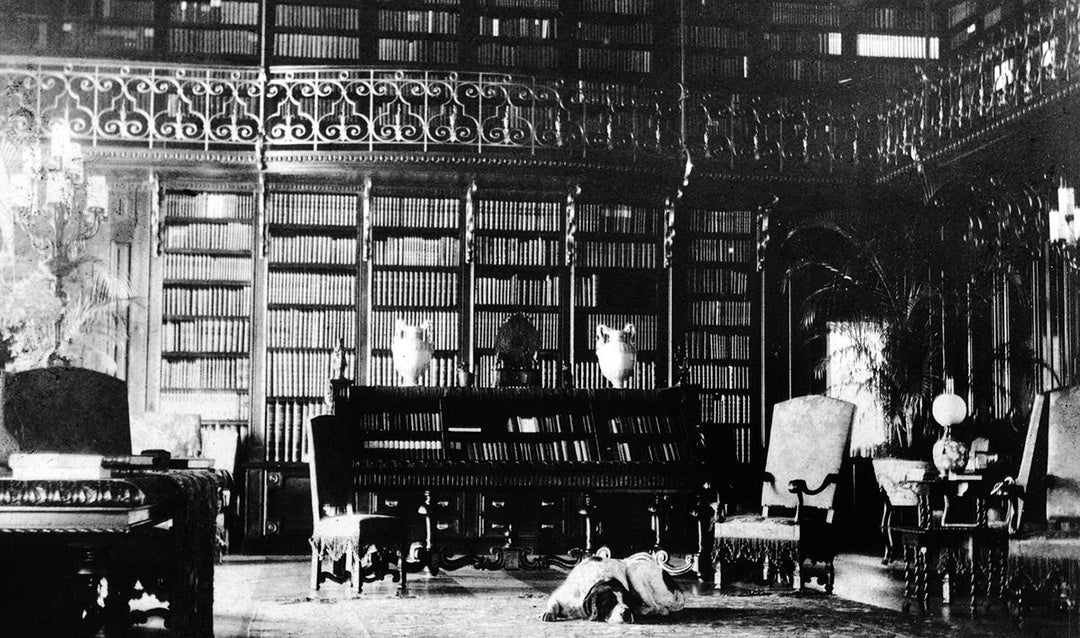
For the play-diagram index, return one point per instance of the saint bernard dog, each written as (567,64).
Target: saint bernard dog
(615,591)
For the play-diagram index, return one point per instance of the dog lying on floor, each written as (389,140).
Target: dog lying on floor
(614,590)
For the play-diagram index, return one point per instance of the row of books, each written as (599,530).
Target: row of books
(743,442)
(397,422)
(882,45)
(717,37)
(648,452)
(640,33)
(414,288)
(514,451)
(421,212)
(487,371)
(219,12)
(407,449)
(225,405)
(723,11)
(311,288)
(206,335)
(587,375)
(313,249)
(895,18)
(803,70)
(307,45)
(317,17)
(552,424)
(722,250)
(720,376)
(617,254)
(445,22)
(739,222)
(209,236)
(207,302)
(517,55)
(134,10)
(619,7)
(435,51)
(285,434)
(618,218)
(642,424)
(644,325)
(515,251)
(84,37)
(704,66)
(710,345)
(207,267)
(314,209)
(418,251)
(441,373)
(719,313)
(537,5)
(725,409)
(206,374)
(825,43)
(299,373)
(487,325)
(210,205)
(805,15)
(519,290)
(717,281)
(295,328)
(626,61)
(443,331)
(518,215)
(538,28)
(213,41)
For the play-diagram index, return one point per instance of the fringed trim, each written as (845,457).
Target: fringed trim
(755,550)
(1051,581)
(334,548)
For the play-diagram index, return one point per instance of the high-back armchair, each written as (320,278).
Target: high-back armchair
(792,534)
(1044,552)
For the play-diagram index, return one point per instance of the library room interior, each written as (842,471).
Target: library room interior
(488,318)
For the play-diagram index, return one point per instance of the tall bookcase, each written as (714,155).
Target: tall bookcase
(719,40)
(519,34)
(803,42)
(415,240)
(720,338)
(224,30)
(205,244)
(312,300)
(619,279)
(424,32)
(517,266)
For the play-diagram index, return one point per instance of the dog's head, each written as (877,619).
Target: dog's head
(607,601)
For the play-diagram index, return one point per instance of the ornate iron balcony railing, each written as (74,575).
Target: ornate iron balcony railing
(1015,70)
(202,108)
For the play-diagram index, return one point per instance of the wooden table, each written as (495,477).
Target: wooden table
(156,527)
(958,536)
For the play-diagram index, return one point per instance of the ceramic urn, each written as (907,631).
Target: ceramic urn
(412,350)
(616,353)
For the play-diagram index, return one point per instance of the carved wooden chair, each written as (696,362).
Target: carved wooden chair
(1044,512)
(342,538)
(792,538)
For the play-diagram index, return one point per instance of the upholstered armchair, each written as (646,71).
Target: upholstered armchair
(1044,511)
(352,545)
(792,538)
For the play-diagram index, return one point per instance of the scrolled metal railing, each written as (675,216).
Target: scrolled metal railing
(1016,69)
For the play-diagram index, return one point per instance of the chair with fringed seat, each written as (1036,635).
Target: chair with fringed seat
(1044,507)
(354,546)
(792,539)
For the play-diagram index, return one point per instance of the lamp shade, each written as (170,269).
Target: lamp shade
(949,409)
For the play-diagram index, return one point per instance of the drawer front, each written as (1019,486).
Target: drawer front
(530,515)
(288,503)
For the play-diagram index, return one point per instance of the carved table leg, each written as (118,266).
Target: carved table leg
(703,517)
(922,589)
(587,511)
(427,558)
(121,585)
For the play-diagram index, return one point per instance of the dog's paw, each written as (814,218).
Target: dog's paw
(548,616)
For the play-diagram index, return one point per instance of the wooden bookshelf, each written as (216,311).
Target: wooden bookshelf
(206,302)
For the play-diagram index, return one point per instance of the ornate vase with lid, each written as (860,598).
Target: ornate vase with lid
(412,350)
(616,353)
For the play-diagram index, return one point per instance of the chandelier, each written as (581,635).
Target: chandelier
(56,203)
